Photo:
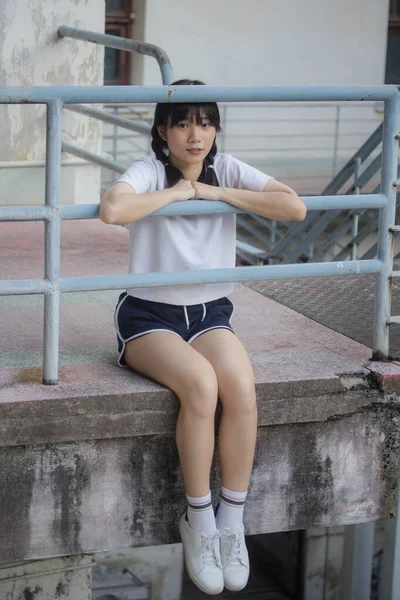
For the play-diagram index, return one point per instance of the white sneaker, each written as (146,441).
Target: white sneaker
(234,558)
(202,558)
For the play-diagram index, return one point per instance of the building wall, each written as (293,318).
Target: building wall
(259,42)
(33,55)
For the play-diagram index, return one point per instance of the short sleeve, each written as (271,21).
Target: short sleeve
(234,173)
(141,175)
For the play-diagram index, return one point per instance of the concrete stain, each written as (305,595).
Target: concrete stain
(61,589)
(29,594)
(34,375)
(70,478)
(29,375)
(312,479)
(17,478)
(153,466)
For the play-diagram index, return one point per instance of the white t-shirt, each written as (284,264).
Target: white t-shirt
(183,243)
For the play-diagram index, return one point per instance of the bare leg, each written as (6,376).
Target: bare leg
(166,358)
(238,428)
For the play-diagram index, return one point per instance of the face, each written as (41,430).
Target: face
(189,141)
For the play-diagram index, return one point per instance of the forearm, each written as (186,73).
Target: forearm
(277,205)
(122,208)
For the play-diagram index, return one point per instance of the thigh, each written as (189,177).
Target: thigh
(169,360)
(231,364)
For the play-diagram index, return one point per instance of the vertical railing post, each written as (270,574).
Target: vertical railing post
(273,232)
(386,220)
(354,229)
(52,243)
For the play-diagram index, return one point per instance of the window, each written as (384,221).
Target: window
(119,23)
(393,45)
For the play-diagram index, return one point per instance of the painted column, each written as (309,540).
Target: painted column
(32,54)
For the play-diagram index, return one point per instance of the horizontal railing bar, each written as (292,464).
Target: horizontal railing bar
(189,207)
(313,120)
(122,136)
(24,287)
(395,228)
(281,105)
(115,282)
(395,274)
(198,207)
(187,93)
(102,115)
(26,213)
(94,158)
(291,135)
(394,320)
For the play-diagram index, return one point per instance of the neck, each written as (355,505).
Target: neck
(189,172)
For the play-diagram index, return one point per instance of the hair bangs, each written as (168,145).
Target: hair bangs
(195,112)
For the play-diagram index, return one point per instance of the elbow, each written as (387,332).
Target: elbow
(107,214)
(299,210)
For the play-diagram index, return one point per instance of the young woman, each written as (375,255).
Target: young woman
(181,336)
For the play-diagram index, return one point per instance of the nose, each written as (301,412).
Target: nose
(194,132)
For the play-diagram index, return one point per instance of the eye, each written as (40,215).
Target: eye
(181,125)
(206,124)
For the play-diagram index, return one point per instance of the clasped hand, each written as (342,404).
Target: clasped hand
(190,190)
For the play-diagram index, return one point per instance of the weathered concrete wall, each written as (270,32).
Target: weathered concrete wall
(67,578)
(32,55)
(69,498)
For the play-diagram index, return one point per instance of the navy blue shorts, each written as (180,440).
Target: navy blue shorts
(135,317)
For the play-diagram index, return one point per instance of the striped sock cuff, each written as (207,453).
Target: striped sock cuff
(199,504)
(233,499)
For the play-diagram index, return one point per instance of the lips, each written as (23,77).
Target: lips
(194,150)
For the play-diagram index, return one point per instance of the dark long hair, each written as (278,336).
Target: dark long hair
(171,113)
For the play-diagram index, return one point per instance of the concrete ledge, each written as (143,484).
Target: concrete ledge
(85,496)
(155,413)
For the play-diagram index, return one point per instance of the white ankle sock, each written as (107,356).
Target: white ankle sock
(230,510)
(201,514)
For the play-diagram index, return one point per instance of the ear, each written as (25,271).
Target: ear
(162,132)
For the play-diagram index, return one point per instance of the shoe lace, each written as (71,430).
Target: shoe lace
(233,546)
(209,545)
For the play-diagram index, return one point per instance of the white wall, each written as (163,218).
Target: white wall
(268,42)
(32,55)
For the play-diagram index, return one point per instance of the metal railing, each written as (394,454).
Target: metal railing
(304,238)
(112,41)
(52,213)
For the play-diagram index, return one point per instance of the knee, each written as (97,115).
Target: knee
(199,393)
(238,394)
